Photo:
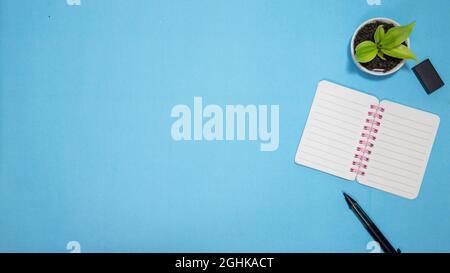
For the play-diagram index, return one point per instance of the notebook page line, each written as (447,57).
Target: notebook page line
(333,129)
(353,130)
(401,150)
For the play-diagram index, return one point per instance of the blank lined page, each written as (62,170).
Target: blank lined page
(402,148)
(333,129)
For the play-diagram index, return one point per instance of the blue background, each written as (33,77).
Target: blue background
(85,147)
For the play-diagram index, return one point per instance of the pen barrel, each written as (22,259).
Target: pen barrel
(370,226)
(378,236)
(373,230)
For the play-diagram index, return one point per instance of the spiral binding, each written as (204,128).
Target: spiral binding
(368,136)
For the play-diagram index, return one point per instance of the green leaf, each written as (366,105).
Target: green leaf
(396,36)
(366,51)
(381,55)
(400,52)
(379,34)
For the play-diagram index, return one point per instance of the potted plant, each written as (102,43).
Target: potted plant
(380,46)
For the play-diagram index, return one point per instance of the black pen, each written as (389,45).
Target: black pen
(370,226)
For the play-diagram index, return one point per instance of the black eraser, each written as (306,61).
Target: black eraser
(428,76)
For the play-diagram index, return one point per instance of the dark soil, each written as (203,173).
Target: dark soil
(377,64)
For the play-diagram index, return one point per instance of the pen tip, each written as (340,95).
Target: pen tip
(348,199)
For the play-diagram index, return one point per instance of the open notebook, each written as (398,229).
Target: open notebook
(352,135)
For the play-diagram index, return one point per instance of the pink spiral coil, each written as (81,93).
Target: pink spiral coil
(368,136)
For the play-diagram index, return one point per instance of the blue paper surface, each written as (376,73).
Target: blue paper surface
(86,152)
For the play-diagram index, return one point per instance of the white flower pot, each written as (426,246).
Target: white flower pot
(362,68)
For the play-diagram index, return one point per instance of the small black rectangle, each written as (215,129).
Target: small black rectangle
(428,76)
